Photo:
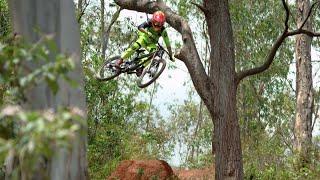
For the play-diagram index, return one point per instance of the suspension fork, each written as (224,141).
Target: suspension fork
(152,59)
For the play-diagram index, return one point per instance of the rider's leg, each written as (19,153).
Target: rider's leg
(128,53)
(150,48)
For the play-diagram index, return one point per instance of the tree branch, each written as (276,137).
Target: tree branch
(303,31)
(83,10)
(203,9)
(309,14)
(188,53)
(107,32)
(316,116)
(285,5)
(243,74)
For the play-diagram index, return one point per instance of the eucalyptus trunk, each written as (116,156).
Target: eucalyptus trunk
(223,89)
(57,18)
(304,93)
(102,24)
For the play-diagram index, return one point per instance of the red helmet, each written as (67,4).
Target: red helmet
(158,19)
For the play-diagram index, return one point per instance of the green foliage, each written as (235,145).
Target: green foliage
(186,9)
(266,103)
(191,126)
(30,137)
(16,57)
(36,135)
(116,129)
(256,26)
(5,26)
(315,16)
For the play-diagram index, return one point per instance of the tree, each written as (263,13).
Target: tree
(57,18)
(304,92)
(191,126)
(217,89)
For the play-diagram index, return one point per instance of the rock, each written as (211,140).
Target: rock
(142,170)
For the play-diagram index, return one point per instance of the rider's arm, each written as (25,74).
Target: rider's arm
(167,41)
(142,27)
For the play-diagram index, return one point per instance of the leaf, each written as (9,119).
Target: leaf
(54,86)
(71,82)
(62,133)
(51,76)
(74,128)
(66,116)
(25,81)
(2,46)
(31,146)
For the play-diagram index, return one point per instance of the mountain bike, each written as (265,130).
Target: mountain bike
(150,73)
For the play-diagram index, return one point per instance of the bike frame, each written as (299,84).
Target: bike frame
(151,56)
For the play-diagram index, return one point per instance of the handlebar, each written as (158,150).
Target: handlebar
(163,49)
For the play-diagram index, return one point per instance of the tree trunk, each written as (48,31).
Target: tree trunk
(56,17)
(226,127)
(106,34)
(304,94)
(195,134)
(102,22)
(80,6)
(80,11)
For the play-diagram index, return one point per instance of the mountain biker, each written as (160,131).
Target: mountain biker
(149,34)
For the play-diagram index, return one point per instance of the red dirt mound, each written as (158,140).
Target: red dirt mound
(142,170)
(195,174)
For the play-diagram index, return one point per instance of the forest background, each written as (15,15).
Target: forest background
(125,122)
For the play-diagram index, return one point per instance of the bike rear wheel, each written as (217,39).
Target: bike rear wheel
(151,73)
(108,71)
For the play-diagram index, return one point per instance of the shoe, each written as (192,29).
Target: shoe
(139,71)
(118,63)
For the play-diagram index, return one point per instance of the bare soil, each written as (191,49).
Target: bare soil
(157,169)
(195,174)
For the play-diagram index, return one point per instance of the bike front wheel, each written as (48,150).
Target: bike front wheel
(108,71)
(151,73)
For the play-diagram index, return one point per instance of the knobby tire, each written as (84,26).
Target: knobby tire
(101,70)
(139,83)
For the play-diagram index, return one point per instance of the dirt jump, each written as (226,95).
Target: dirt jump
(157,169)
